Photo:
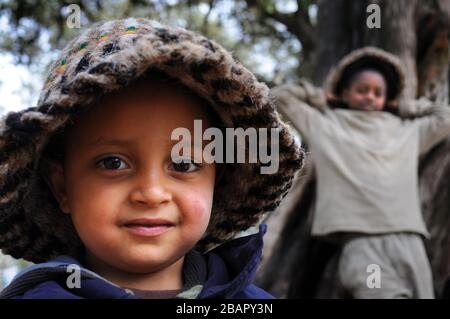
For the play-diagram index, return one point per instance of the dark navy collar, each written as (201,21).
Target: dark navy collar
(229,269)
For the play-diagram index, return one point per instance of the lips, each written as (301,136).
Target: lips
(148,227)
(368,106)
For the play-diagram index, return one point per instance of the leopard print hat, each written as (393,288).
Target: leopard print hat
(105,58)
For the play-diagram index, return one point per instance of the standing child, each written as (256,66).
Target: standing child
(366,160)
(89,182)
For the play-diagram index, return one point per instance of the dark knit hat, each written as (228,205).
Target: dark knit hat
(373,58)
(108,57)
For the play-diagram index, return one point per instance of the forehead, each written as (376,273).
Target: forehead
(145,108)
(373,77)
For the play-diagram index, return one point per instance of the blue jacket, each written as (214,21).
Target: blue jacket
(230,267)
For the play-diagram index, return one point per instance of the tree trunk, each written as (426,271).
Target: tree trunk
(433,69)
(298,266)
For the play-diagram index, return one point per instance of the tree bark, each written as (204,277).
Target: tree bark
(298,266)
(433,68)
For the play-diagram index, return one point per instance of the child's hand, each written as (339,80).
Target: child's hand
(304,91)
(297,90)
(331,97)
(409,108)
(313,95)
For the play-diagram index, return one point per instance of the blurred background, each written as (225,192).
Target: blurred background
(280,41)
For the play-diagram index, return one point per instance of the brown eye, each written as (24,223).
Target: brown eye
(112,162)
(185,166)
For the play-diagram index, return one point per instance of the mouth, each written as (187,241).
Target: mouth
(148,227)
(368,107)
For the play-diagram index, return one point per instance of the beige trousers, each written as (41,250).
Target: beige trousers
(386,266)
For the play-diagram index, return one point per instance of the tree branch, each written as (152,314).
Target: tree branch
(297,23)
(206,17)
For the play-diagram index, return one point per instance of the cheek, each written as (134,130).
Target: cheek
(351,97)
(93,201)
(381,101)
(201,207)
(357,96)
(196,207)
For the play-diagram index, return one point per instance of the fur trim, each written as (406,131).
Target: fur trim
(108,57)
(374,53)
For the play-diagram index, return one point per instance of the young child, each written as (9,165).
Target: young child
(90,189)
(366,159)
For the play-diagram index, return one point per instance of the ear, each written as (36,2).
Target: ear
(54,176)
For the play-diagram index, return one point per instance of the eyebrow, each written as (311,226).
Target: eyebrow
(105,141)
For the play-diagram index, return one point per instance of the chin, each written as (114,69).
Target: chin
(363,108)
(143,266)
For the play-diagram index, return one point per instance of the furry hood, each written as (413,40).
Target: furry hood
(371,56)
(108,57)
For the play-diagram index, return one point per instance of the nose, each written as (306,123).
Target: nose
(151,190)
(370,96)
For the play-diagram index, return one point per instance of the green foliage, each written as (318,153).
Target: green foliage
(257,32)
(7,262)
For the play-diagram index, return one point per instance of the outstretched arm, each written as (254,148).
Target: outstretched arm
(412,109)
(432,120)
(301,103)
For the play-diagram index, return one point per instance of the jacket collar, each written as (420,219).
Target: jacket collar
(230,268)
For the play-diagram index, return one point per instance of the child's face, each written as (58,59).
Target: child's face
(367,92)
(134,209)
